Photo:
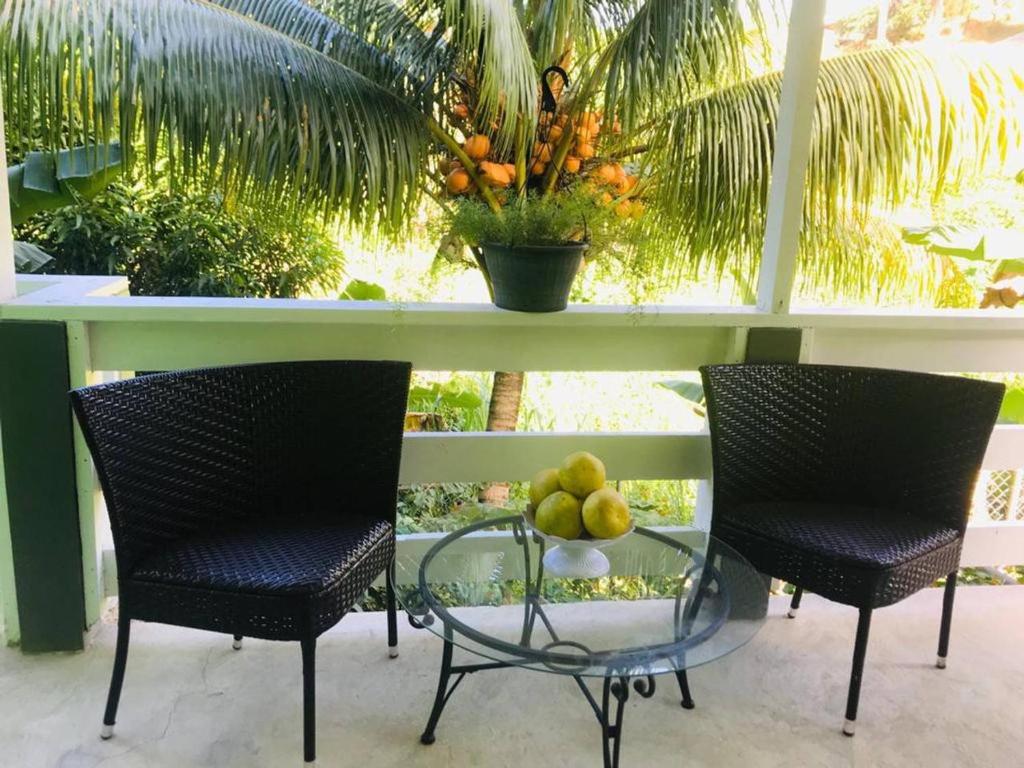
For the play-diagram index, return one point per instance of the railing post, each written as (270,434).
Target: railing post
(792,150)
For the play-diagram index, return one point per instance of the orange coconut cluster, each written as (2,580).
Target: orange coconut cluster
(613,186)
(477,148)
(610,182)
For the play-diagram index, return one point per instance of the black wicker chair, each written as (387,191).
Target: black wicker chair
(852,483)
(254,500)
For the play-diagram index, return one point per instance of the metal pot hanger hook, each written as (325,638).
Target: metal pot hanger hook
(548,103)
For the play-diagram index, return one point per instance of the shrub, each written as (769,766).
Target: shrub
(187,244)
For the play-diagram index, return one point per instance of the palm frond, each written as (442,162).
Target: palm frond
(226,99)
(889,125)
(489,39)
(673,50)
(581,27)
(373,37)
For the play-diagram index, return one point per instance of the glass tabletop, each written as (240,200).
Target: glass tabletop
(671,602)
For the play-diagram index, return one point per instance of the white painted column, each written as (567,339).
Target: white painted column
(7,290)
(792,149)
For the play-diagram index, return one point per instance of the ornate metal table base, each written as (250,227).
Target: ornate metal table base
(609,713)
(618,671)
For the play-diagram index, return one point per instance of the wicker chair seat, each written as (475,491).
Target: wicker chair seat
(271,560)
(844,554)
(868,537)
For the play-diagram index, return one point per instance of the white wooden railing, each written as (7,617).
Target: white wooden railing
(109,331)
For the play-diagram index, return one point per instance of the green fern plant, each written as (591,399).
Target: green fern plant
(571,216)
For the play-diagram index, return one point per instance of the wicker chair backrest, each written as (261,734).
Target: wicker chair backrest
(906,441)
(188,451)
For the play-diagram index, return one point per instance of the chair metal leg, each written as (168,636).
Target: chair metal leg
(309,698)
(237,643)
(947,619)
(859,650)
(117,677)
(392,612)
(794,604)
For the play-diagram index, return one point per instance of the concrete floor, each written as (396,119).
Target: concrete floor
(189,700)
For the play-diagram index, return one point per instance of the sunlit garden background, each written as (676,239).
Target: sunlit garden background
(958,244)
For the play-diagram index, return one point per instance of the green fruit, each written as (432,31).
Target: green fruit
(606,514)
(559,515)
(581,474)
(543,484)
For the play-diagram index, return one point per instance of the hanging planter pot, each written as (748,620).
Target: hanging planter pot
(531,278)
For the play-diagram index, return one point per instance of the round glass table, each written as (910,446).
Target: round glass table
(670,603)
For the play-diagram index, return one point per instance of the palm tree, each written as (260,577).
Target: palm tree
(350,106)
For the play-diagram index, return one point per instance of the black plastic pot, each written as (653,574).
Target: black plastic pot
(531,278)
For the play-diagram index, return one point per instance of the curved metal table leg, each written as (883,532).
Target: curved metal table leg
(611,729)
(684,689)
(443,692)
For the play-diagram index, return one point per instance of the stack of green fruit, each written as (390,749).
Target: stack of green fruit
(573,499)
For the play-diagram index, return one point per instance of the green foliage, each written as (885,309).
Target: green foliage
(570,216)
(229,101)
(453,395)
(1012,409)
(977,237)
(907,21)
(360,290)
(171,244)
(436,507)
(861,24)
(660,502)
(459,406)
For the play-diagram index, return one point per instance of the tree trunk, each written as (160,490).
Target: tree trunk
(882,33)
(502,415)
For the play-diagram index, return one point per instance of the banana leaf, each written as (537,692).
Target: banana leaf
(1004,246)
(48,180)
(29,258)
(691,391)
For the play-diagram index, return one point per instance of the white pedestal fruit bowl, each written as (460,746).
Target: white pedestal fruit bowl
(580,558)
